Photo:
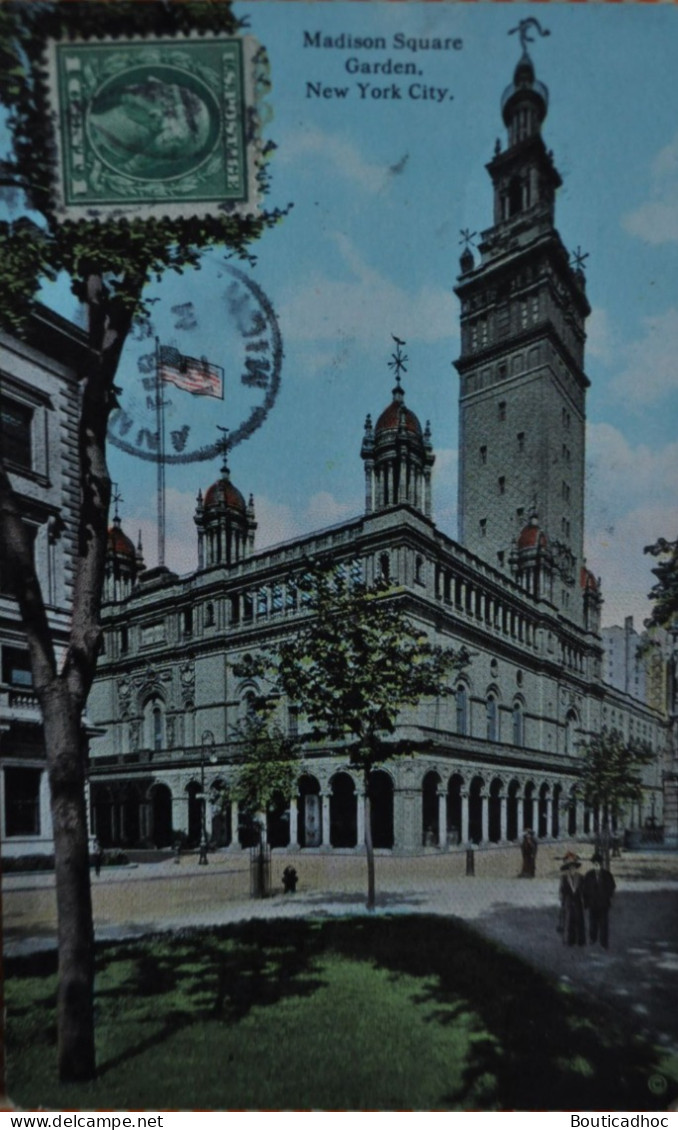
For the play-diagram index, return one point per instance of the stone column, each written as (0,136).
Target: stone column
(360,818)
(464,817)
(549,817)
(325,821)
(483,818)
(442,819)
(503,802)
(235,819)
(294,824)
(46,832)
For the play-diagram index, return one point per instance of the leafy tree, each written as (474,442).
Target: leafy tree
(610,778)
(665,593)
(353,668)
(267,762)
(109,263)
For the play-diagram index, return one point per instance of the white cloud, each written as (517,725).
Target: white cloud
(279,522)
(621,521)
(656,220)
(365,307)
(650,369)
(444,487)
(342,154)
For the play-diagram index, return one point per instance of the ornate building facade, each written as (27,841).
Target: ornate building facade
(499,754)
(39,411)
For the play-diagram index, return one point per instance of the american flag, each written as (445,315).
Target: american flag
(192,374)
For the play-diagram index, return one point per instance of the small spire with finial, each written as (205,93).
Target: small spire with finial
(398,364)
(523,30)
(117,498)
(222,446)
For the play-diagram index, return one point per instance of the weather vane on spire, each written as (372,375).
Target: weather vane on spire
(523,30)
(579,257)
(467,238)
(223,445)
(117,497)
(398,359)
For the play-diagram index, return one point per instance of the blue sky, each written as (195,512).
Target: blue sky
(381,189)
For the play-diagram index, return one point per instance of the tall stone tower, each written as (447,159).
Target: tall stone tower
(523,386)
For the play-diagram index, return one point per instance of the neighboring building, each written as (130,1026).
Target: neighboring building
(39,412)
(624,662)
(500,753)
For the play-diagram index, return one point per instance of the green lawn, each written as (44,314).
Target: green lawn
(378,1013)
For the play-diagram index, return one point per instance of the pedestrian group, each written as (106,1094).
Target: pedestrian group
(593,894)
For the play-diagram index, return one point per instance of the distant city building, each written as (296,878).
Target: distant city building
(500,754)
(624,664)
(39,412)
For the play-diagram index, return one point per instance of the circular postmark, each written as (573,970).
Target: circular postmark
(153,122)
(196,367)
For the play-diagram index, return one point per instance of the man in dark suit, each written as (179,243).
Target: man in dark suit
(598,890)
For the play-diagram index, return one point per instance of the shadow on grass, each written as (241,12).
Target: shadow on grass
(526,1042)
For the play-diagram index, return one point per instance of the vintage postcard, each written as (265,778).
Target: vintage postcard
(338,763)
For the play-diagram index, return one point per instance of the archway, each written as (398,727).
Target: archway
(161,816)
(555,813)
(542,812)
(381,800)
(310,812)
(494,811)
(528,805)
(430,825)
(475,811)
(278,822)
(454,808)
(102,815)
(343,812)
(221,816)
(194,813)
(572,814)
(512,804)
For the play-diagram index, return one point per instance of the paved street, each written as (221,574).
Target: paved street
(638,975)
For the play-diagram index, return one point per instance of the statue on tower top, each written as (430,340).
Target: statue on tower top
(523,30)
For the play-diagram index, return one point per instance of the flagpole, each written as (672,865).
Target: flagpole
(160,425)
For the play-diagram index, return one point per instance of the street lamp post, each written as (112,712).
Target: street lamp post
(206,742)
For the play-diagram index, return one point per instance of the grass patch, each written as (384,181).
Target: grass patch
(379,1013)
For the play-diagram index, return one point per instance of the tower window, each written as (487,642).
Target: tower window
(535,307)
(483,454)
(492,719)
(209,615)
(501,483)
(462,709)
(483,332)
(483,527)
(15,432)
(188,621)
(124,640)
(385,567)
(523,314)
(521,441)
(520,514)
(502,409)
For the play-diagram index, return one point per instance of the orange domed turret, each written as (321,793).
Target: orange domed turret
(118,543)
(225,522)
(531,537)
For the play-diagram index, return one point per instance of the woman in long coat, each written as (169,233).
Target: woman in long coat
(571,902)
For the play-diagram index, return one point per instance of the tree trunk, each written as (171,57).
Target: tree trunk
(369,848)
(65,762)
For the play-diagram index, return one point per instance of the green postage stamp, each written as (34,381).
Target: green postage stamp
(145,126)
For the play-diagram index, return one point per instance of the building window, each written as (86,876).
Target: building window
(22,802)
(501,484)
(385,567)
(124,640)
(523,314)
(518,726)
(535,307)
(520,515)
(483,527)
(209,615)
(461,705)
(15,433)
(492,718)
(521,441)
(483,454)
(293,721)
(188,621)
(154,724)
(502,409)
(16,667)
(418,570)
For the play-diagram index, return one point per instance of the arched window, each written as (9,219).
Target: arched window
(492,716)
(209,615)
(461,703)
(418,570)
(385,567)
(154,723)
(570,731)
(518,724)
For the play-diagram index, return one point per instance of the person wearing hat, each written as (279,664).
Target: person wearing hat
(571,902)
(597,891)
